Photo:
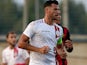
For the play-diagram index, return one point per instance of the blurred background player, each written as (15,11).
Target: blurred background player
(13,55)
(67,43)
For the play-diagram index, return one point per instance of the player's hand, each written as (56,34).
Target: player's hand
(68,45)
(62,53)
(44,50)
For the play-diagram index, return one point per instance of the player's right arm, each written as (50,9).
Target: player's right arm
(4,63)
(22,43)
(23,40)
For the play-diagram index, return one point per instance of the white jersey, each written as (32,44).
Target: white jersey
(14,56)
(42,34)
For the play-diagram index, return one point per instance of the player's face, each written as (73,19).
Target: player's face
(54,11)
(59,15)
(12,39)
(58,20)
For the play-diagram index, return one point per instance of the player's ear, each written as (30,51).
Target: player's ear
(46,9)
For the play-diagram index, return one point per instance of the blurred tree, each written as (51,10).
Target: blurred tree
(32,10)
(77,18)
(9,17)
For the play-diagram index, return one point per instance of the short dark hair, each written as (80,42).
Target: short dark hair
(48,3)
(11,32)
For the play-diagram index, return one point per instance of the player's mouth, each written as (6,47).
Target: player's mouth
(56,15)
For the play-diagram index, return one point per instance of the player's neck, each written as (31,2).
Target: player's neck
(48,20)
(11,47)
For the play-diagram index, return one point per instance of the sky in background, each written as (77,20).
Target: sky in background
(20,2)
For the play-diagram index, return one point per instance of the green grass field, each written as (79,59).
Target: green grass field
(77,57)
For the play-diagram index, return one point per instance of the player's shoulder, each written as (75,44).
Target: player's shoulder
(36,22)
(65,28)
(5,50)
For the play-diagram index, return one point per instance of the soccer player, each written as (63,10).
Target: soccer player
(12,55)
(67,43)
(42,35)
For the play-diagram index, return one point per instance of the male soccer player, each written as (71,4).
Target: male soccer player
(67,43)
(12,55)
(42,35)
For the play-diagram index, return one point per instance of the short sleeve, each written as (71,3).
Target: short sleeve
(29,31)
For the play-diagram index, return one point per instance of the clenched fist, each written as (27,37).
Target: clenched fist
(44,50)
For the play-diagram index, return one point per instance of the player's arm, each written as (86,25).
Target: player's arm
(68,43)
(4,64)
(22,43)
(62,53)
(60,50)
